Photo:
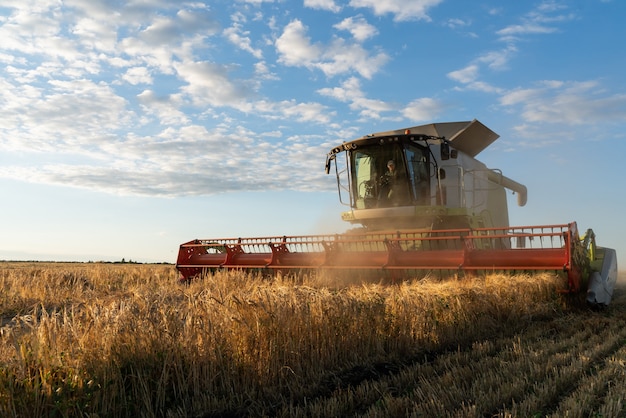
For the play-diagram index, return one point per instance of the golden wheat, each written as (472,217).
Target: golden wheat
(129,340)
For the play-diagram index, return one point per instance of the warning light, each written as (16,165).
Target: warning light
(407,132)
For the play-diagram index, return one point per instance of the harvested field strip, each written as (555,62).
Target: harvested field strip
(612,404)
(560,379)
(577,370)
(599,390)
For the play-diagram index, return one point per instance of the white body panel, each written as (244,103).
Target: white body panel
(601,284)
(468,184)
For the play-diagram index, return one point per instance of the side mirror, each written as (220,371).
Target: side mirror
(445,151)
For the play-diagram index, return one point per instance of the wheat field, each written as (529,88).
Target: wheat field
(122,340)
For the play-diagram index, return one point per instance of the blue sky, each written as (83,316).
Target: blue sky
(129,127)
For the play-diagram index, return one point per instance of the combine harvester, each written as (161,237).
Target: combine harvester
(422,202)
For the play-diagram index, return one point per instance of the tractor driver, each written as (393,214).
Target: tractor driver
(391,170)
(392,188)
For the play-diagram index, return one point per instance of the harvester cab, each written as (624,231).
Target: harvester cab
(436,182)
(422,203)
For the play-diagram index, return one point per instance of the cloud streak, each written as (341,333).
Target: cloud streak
(567,103)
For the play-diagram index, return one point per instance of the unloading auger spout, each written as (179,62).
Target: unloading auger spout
(420,201)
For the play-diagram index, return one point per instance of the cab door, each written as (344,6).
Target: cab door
(418,164)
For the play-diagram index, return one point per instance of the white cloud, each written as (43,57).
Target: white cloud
(525,29)
(295,49)
(32,20)
(164,38)
(341,57)
(138,75)
(305,112)
(358,27)
(163,30)
(98,34)
(115,98)
(81,106)
(97,9)
(257,2)
(263,72)
(537,22)
(468,76)
(166,109)
(517,96)
(423,109)
(190,160)
(180,160)
(401,9)
(208,83)
(498,60)
(495,60)
(455,23)
(185,23)
(66,117)
(241,40)
(465,75)
(35,32)
(373,109)
(350,92)
(322,5)
(567,103)
(292,109)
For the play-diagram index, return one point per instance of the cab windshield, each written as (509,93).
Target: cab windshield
(390,175)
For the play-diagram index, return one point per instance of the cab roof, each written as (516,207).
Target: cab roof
(470,137)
